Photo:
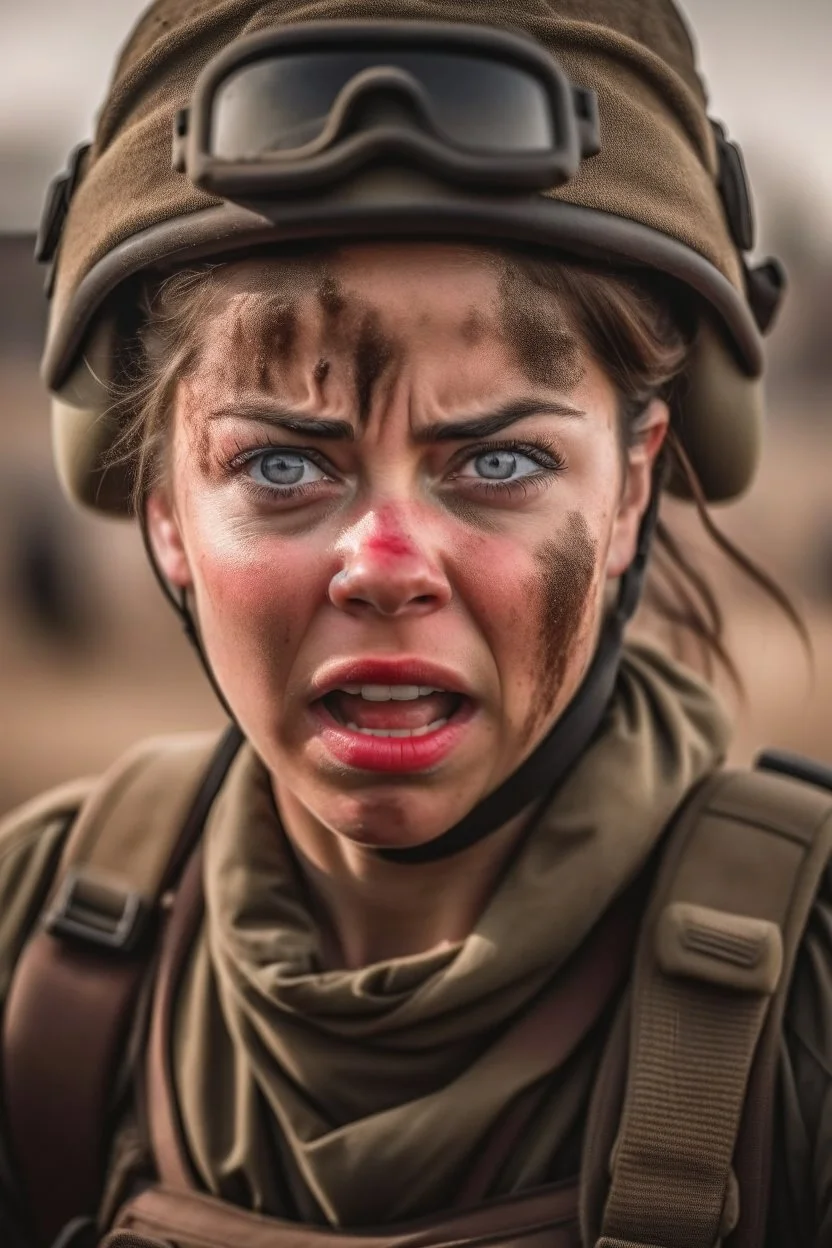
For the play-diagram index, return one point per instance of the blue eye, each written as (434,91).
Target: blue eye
(498,465)
(283,468)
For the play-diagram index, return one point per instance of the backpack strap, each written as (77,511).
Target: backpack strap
(741,867)
(76,982)
(167,1138)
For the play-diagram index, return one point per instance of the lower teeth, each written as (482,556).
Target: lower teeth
(399,732)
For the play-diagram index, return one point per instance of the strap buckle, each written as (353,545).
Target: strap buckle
(56,206)
(97,912)
(729,950)
(734,189)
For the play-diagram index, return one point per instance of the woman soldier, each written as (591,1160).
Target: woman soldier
(390,331)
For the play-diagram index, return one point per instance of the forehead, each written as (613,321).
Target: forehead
(386,301)
(403,283)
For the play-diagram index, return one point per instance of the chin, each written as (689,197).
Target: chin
(393,822)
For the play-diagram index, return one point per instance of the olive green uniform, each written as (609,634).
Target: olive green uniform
(330,1099)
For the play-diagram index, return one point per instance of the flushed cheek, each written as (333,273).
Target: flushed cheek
(255,601)
(493,576)
(536,609)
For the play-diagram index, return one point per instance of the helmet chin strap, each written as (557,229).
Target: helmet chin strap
(547,766)
(179,602)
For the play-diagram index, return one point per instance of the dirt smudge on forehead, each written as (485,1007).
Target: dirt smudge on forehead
(563,588)
(353,330)
(333,303)
(474,327)
(538,331)
(246,335)
(257,307)
(374,351)
(196,425)
(276,336)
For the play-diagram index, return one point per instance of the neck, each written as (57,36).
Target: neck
(371,910)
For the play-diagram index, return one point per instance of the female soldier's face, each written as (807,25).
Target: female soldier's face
(396,493)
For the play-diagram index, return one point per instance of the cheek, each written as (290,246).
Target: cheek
(536,609)
(255,596)
(564,593)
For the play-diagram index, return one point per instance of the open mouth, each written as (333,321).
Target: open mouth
(402,711)
(397,728)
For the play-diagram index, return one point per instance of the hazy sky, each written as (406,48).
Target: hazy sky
(767,63)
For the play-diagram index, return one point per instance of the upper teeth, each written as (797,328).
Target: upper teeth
(388,693)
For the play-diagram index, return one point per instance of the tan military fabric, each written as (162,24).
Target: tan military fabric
(657,165)
(375,1071)
(802,1173)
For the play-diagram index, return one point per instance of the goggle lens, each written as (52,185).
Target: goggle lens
(283,103)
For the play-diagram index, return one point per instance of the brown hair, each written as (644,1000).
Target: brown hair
(638,328)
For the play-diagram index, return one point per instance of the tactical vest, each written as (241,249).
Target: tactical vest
(678,1139)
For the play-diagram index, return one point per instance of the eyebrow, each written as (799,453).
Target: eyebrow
(506,414)
(286,418)
(439,431)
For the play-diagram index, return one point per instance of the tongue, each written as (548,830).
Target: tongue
(353,709)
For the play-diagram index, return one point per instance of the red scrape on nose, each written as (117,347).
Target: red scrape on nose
(388,540)
(389,544)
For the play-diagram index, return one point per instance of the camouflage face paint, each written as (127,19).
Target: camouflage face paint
(349,327)
(275,338)
(536,329)
(197,429)
(331,299)
(473,328)
(563,589)
(374,352)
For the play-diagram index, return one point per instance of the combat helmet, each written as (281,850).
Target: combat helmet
(637,176)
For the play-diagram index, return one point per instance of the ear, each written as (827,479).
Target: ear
(165,538)
(638,482)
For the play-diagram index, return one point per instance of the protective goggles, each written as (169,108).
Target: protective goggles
(298,109)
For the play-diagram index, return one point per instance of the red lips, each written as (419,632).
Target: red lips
(391,755)
(387,671)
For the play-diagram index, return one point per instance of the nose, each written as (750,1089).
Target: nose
(386,570)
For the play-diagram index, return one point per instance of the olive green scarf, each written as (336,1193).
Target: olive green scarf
(361,1097)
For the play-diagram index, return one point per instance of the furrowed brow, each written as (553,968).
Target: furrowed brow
(483,426)
(286,418)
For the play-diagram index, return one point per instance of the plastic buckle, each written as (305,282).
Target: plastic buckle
(729,950)
(56,206)
(734,189)
(96,912)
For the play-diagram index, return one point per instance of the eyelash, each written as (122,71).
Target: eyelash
(543,452)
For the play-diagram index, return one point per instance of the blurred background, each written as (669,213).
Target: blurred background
(91,659)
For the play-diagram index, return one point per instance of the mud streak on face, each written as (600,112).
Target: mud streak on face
(536,329)
(374,352)
(276,337)
(564,586)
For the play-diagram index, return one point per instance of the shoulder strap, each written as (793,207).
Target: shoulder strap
(77,979)
(697,1070)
